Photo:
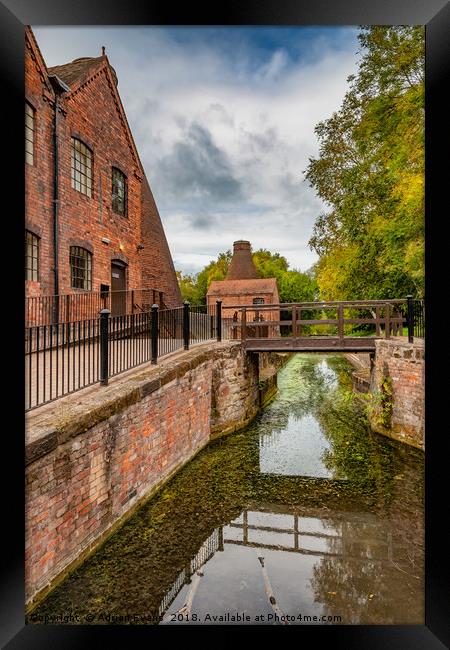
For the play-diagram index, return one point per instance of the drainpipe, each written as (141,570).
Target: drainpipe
(55,207)
(59,87)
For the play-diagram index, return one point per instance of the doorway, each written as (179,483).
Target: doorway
(118,288)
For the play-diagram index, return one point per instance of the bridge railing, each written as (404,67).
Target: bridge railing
(334,319)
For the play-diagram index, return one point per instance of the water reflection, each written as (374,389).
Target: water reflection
(304,512)
(290,562)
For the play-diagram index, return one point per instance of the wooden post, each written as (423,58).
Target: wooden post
(299,327)
(387,321)
(244,324)
(294,321)
(245,526)
(341,323)
(377,321)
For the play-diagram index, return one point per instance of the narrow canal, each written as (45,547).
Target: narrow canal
(305,513)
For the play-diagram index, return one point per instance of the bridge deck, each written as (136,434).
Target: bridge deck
(311,344)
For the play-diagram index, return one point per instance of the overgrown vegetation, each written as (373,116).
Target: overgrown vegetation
(370,172)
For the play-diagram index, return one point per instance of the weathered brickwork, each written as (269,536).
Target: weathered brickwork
(90,461)
(39,176)
(92,112)
(235,398)
(404,364)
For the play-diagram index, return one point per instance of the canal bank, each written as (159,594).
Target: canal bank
(94,456)
(304,512)
(393,381)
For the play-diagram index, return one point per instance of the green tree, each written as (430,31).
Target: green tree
(370,172)
(187,284)
(293,285)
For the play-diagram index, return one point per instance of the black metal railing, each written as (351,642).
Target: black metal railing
(60,359)
(64,358)
(416,318)
(169,330)
(65,308)
(206,551)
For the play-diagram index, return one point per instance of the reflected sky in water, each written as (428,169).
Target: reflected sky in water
(305,512)
(312,566)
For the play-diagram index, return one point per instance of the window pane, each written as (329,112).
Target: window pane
(80,268)
(81,167)
(118,191)
(31,256)
(29,134)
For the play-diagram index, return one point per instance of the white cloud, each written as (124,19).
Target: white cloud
(223,130)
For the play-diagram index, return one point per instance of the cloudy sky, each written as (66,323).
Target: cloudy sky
(223,119)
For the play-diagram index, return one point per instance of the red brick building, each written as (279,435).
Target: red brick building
(91,222)
(244,286)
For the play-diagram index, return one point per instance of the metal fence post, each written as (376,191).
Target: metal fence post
(186,327)
(409,299)
(154,333)
(219,319)
(104,369)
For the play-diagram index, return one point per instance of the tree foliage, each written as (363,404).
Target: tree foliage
(293,285)
(370,172)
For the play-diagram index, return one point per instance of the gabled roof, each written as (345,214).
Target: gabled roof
(80,72)
(36,55)
(249,286)
(77,69)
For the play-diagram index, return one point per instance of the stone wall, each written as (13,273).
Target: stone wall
(92,460)
(399,369)
(361,361)
(234,397)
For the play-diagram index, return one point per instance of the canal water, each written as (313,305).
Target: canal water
(304,517)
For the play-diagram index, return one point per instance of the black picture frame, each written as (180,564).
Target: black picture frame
(435,14)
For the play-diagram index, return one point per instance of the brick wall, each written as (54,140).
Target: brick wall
(235,397)
(92,115)
(404,364)
(91,112)
(39,176)
(90,461)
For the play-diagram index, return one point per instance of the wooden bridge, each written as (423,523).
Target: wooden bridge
(344,326)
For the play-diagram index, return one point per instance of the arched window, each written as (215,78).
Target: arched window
(119,192)
(80,268)
(81,167)
(31,256)
(29,134)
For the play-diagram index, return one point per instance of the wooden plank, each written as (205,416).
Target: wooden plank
(311,344)
(322,305)
(360,321)
(244,325)
(294,321)
(387,322)
(341,322)
(327,321)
